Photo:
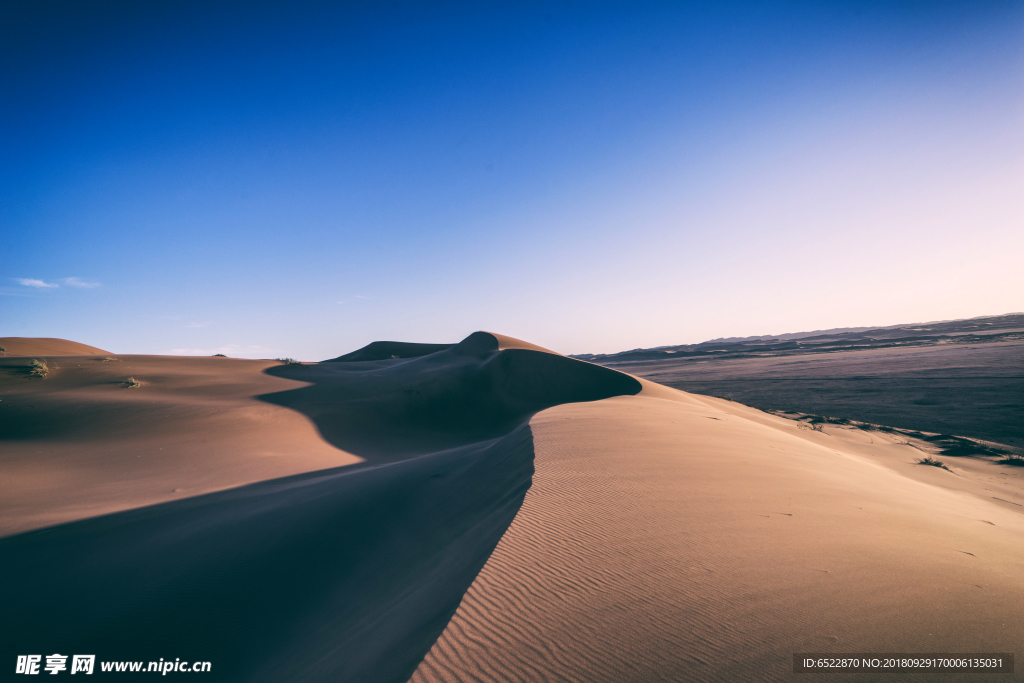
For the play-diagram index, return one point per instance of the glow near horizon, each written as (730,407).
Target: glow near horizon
(598,180)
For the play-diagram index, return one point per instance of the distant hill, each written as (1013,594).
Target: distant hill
(46,346)
(972,330)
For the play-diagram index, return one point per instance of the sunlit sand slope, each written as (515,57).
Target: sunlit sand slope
(80,443)
(669,537)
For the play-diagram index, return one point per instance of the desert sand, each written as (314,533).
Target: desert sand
(46,346)
(483,511)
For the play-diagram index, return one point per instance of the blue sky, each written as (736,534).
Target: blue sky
(299,179)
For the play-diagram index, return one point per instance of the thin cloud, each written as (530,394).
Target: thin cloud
(32,282)
(78,282)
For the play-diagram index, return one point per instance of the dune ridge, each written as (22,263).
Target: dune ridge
(476,389)
(391,350)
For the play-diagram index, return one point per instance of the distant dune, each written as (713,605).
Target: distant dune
(488,511)
(46,346)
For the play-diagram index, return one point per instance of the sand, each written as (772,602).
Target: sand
(490,511)
(79,443)
(46,346)
(693,539)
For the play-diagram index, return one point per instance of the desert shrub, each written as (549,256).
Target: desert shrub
(219,355)
(132,383)
(933,462)
(38,369)
(812,426)
(1015,460)
(107,359)
(288,361)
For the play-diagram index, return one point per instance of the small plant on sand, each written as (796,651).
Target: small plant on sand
(38,369)
(132,383)
(933,462)
(107,359)
(288,361)
(3,351)
(1015,460)
(219,355)
(812,426)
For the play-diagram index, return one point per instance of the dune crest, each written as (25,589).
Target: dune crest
(505,342)
(469,391)
(478,342)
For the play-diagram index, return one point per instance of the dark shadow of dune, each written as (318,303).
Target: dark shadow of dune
(337,575)
(398,408)
(386,350)
(347,574)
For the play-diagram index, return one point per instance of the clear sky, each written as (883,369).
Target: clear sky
(299,179)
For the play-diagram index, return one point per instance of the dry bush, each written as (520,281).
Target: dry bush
(38,369)
(933,462)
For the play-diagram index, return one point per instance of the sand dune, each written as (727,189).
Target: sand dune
(490,511)
(46,346)
(79,443)
(347,571)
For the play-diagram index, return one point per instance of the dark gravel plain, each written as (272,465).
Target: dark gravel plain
(966,387)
